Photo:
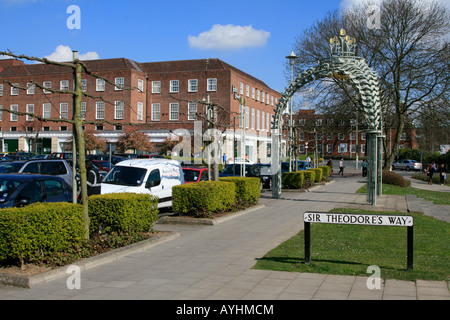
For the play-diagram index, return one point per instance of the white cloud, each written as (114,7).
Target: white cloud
(229,37)
(64,53)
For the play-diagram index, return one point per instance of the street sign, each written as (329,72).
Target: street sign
(359,219)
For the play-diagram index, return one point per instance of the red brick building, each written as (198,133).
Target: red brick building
(159,96)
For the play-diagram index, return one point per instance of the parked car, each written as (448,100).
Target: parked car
(61,155)
(151,176)
(17,190)
(251,170)
(54,167)
(41,156)
(11,166)
(195,174)
(105,157)
(239,160)
(103,165)
(150,156)
(407,165)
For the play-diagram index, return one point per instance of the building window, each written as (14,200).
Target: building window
(174,86)
(141,85)
(120,83)
(14,107)
(173,111)
(301,136)
(329,148)
(48,85)
(253,118)
(31,87)
(253,93)
(1,90)
(318,122)
(13,129)
(353,136)
(301,122)
(99,128)
(363,136)
(64,110)
(247,91)
(247,117)
(30,109)
(363,148)
(1,114)
(258,120)
(84,85)
(46,110)
(83,110)
(15,89)
(156,86)
(192,111)
(263,95)
(212,84)
(156,112)
(100,85)
(140,111)
(241,88)
(118,128)
(258,95)
(193,85)
(64,85)
(63,128)
(99,110)
(341,136)
(263,120)
(329,136)
(118,110)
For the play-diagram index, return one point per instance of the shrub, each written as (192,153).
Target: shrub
(326,170)
(292,180)
(310,175)
(395,179)
(33,232)
(122,212)
(248,190)
(203,198)
(318,175)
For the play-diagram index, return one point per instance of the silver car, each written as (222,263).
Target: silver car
(59,168)
(407,165)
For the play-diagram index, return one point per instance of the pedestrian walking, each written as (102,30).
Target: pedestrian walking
(330,164)
(224,158)
(93,179)
(341,167)
(364,168)
(442,174)
(430,172)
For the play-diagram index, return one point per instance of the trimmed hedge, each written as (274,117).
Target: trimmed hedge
(318,175)
(248,189)
(292,180)
(122,212)
(310,175)
(326,170)
(395,179)
(203,198)
(41,229)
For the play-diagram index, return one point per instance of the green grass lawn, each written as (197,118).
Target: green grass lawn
(350,250)
(441,198)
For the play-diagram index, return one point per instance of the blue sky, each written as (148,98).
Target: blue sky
(252,35)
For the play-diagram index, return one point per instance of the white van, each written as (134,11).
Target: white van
(152,176)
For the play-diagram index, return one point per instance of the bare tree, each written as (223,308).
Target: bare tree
(409,53)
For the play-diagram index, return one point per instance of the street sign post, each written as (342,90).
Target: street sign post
(359,219)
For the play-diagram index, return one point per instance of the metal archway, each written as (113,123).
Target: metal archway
(357,71)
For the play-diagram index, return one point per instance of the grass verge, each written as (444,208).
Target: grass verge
(350,250)
(440,198)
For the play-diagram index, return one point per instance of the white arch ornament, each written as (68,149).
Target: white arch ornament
(343,62)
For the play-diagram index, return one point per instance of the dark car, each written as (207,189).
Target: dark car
(150,156)
(61,155)
(105,157)
(103,165)
(195,174)
(20,189)
(11,166)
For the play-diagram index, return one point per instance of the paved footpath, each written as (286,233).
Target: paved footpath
(215,262)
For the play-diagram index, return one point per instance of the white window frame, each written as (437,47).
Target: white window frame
(99,110)
(119,108)
(84,85)
(64,110)
(1,114)
(14,117)
(193,85)
(140,111)
(174,86)
(156,86)
(83,110)
(100,85)
(140,85)
(14,89)
(192,110)
(47,110)
(174,111)
(247,90)
(31,88)
(30,109)
(211,84)
(48,85)
(120,83)
(64,85)
(1,90)
(156,111)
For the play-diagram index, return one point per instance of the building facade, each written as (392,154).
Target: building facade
(158,97)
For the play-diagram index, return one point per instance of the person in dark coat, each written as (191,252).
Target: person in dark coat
(93,179)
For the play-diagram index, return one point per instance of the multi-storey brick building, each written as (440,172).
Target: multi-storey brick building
(158,96)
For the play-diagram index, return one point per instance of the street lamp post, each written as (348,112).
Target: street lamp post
(292,57)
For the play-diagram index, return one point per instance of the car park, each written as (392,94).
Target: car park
(150,176)
(407,165)
(105,157)
(11,166)
(195,174)
(17,190)
(60,168)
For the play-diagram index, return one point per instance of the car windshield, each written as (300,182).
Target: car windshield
(127,176)
(7,188)
(232,169)
(10,167)
(191,175)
